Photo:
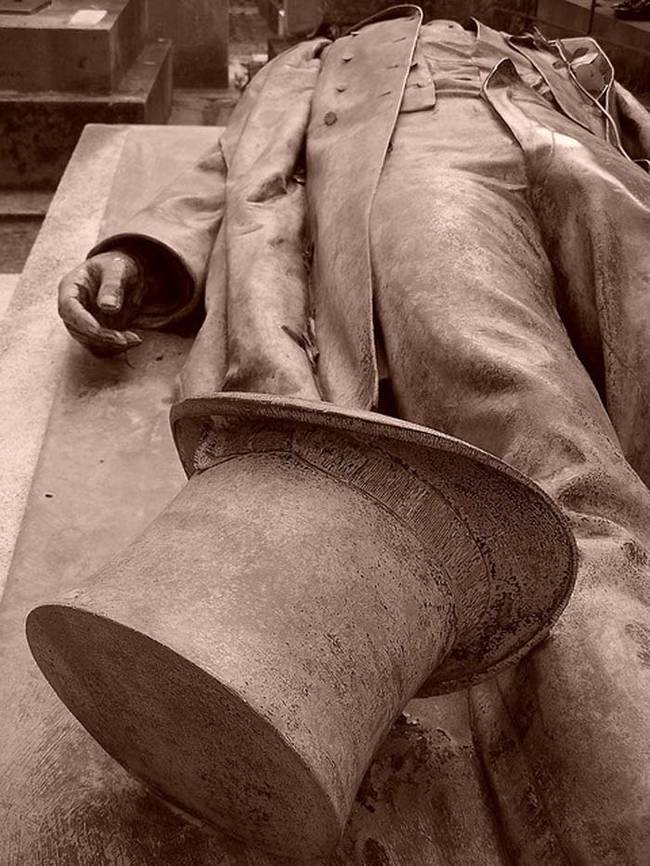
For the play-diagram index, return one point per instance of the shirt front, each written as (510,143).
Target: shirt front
(457,60)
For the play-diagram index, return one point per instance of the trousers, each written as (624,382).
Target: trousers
(490,337)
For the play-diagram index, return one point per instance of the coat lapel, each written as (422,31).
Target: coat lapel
(567,95)
(354,112)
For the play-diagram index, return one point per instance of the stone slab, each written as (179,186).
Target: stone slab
(88,460)
(39,131)
(34,346)
(200,32)
(31,341)
(8,283)
(60,49)
(22,203)
(17,235)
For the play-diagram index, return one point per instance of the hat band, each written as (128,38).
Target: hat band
(368,466)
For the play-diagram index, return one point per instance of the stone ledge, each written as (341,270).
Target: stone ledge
(91,197)
(39,131)
(49,51)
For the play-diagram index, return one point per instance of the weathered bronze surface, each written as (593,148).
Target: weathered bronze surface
(256,698)
(106,469)
(466,250)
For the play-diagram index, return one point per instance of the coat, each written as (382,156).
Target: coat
(560,738)
(242,224)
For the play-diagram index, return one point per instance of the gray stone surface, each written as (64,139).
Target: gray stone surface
(58,49)
(38,131)
(27,203)
(33,344)
(8,283)
(31,340)
(17,234)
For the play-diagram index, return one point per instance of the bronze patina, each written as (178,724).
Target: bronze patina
(425,227)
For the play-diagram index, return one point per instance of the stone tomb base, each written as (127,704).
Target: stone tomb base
(66,47)
(69,64)
(38,131)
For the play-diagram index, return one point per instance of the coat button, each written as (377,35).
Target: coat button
(330,118)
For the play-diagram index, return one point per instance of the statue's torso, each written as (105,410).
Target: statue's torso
(368,79)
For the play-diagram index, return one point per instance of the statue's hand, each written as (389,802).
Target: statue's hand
(98,300)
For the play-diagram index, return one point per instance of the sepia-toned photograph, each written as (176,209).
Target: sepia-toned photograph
(325,433)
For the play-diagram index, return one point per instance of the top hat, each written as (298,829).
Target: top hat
(247,654)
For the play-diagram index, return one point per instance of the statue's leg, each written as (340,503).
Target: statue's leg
(475,346)
(593,208)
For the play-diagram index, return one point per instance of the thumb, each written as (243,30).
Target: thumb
(118,271)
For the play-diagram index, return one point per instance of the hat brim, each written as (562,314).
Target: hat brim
(523,545)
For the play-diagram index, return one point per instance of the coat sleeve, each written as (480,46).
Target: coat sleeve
(173,235)
(176,232)
(633,122)
(256,334)
(270,347)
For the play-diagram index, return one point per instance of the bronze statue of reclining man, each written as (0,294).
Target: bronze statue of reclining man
(452,225)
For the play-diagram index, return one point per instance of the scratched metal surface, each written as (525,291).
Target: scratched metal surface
(107,466)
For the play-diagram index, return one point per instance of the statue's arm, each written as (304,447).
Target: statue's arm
(257,334)
(153,271)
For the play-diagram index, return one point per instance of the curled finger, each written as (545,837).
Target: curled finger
(83,326)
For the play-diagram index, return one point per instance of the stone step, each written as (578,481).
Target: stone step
(68,46)
(38,131)
(21,216)
(17,235)
(28,203)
